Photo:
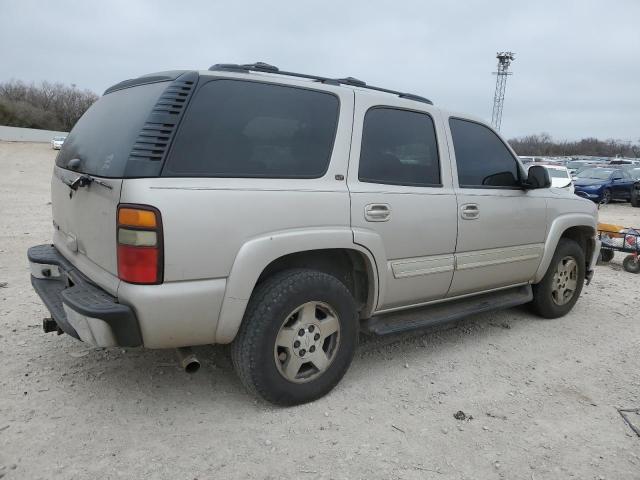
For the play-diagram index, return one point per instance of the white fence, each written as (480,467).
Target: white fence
(16,134)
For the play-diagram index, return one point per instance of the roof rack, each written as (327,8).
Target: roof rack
(354,82)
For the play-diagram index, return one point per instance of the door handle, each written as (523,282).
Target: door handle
(377,212)
(469,211)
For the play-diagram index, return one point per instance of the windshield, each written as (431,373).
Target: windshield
(575,164)
(59,139)
(596,173)
(555,173)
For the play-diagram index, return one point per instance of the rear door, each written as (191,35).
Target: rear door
(100,146)
(501,227)
(401,194)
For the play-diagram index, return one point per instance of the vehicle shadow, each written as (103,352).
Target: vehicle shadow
(138,373)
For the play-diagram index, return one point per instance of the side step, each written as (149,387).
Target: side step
(423,317)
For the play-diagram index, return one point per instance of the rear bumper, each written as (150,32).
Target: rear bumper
(80,308)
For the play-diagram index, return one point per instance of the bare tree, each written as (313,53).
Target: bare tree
(543,145)
(53,106)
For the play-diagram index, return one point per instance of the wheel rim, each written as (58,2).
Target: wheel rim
(307,342)
(606,196)
(565,281)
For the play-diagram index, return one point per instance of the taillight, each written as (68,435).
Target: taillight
(140,257)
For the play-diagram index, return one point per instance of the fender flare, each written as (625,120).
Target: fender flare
(257,253)
(560,225)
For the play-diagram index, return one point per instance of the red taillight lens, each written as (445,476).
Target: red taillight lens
(140,257)
(138,264)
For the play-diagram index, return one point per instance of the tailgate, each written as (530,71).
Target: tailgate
(85,220)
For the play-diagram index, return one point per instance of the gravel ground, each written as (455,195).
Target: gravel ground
(541,396)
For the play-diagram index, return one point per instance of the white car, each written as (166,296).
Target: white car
(560,177)
(56,142)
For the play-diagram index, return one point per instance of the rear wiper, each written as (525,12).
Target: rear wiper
(81,181)
(85,180)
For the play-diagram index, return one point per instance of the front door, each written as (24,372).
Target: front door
(501,227)
(621,183)
(402,197)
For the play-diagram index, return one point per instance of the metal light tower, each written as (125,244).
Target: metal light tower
(504,60)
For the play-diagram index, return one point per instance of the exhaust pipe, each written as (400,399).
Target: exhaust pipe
(187,360)
(49,325)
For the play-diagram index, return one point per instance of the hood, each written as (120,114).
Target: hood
(560,182)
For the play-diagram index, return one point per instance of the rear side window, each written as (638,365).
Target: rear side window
(104,136)
(247,129)
(399,148)
(482,159)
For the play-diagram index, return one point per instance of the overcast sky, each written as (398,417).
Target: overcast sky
(576,73)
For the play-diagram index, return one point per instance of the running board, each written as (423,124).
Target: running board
(442,312)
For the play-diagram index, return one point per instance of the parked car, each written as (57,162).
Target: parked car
(624,161)
(603,184)
(576,166)
(560,177)
(285,213)
(57,142)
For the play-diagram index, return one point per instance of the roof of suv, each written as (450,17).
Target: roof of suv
(262,67)
(267,71)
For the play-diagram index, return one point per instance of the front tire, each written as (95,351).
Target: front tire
(606,196)
(635,197)
(297,338)
(559,289)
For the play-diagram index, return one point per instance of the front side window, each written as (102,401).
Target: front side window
(236,128)
(483,160)
(399,148)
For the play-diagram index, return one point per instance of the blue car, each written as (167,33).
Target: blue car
(602,184)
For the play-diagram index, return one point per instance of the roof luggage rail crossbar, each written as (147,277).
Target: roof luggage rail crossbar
(354,82)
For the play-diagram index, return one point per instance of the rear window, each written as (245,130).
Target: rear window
(102,139)
(236,128)
(399,148)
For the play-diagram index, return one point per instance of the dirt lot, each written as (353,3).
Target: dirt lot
(542,393)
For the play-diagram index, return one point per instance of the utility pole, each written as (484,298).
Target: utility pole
(504,60)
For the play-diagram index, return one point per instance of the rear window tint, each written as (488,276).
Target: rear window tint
(103,137)
(236,128)
(399,148)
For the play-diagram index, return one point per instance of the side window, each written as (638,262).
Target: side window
(482,159)
(399,148)
(235,128)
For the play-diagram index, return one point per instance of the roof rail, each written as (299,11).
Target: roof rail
(354,82)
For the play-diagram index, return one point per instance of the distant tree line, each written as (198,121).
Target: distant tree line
(543,145)
(48,106)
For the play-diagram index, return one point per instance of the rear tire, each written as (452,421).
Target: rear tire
(631,264)
(297,338)
(560,288)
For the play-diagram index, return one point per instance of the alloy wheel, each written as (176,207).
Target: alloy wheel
(307,342)
(565,281)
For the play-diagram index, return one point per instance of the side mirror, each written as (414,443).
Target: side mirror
(537,177)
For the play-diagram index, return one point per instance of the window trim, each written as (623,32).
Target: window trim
(402,184)
(484,187)
(201,84)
